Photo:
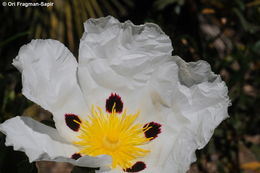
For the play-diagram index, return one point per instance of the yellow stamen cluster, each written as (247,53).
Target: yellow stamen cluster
(114,135)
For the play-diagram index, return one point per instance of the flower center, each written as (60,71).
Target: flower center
(112,139)
(112,134)
(111,143)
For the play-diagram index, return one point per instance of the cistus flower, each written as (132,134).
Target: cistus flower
(127,105)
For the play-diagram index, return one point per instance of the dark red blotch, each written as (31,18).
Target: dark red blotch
(112,100)
(138,166)
(76,156)
(155,129)
(69,118)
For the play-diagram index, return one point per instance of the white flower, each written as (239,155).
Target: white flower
(126,106)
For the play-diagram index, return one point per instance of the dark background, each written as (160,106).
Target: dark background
(223,32)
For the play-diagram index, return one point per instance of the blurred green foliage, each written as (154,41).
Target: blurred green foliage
(224,33)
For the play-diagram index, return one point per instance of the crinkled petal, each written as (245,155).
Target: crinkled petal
(190,101)
(204,101)
(187,99)
(41,142)
(49,79)
(116,56)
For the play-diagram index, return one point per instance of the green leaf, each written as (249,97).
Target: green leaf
(256,47)
(249,27)
(14,38)
(256,150)
(240,4)
(161,4)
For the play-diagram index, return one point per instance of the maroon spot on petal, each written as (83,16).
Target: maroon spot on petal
(153,130)
(138,166)
(114,100)
(73,121)
(76,156)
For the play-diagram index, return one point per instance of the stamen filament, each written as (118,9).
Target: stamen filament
(112,134)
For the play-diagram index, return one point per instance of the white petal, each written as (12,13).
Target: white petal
(120,57)
(188,106)
(41,142)
(190,101)
(49,79)
(187,99)
(203,101)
